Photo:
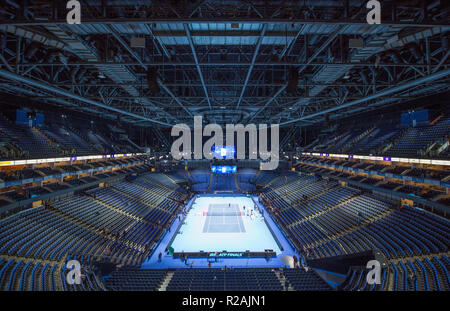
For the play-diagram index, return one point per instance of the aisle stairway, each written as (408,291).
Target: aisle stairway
(166,281)
(236,182)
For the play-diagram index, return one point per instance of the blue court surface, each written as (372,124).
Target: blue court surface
(218,223)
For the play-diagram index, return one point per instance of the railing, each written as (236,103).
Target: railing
(65,159)
(443,147)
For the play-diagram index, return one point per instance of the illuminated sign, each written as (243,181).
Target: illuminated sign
(374,158)
(53,160)
(212,254)
(224,169)
(223,152)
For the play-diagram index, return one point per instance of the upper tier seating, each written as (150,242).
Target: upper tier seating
(49,142)
(372,141)
(29,140)
(418,138)
(70,141)
(385,138)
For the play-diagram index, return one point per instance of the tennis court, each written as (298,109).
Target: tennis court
(218,223)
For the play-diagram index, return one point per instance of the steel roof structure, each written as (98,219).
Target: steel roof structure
(228,61)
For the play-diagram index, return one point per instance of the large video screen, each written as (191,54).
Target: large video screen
(223,152)
(224,169)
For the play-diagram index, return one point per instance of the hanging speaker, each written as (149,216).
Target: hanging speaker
(152,80)
(137,42)
(355,43)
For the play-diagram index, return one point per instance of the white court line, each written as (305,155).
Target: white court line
(209,220)
(241,224)
(237,218)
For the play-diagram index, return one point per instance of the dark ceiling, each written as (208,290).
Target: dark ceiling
(286,62)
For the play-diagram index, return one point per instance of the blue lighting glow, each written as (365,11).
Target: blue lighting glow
(223,152)
(224,169)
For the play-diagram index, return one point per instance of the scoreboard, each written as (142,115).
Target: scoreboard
(223,152)
(224,169)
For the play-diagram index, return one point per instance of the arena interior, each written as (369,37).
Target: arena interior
(89,183)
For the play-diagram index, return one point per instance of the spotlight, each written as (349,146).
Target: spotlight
(137,42)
